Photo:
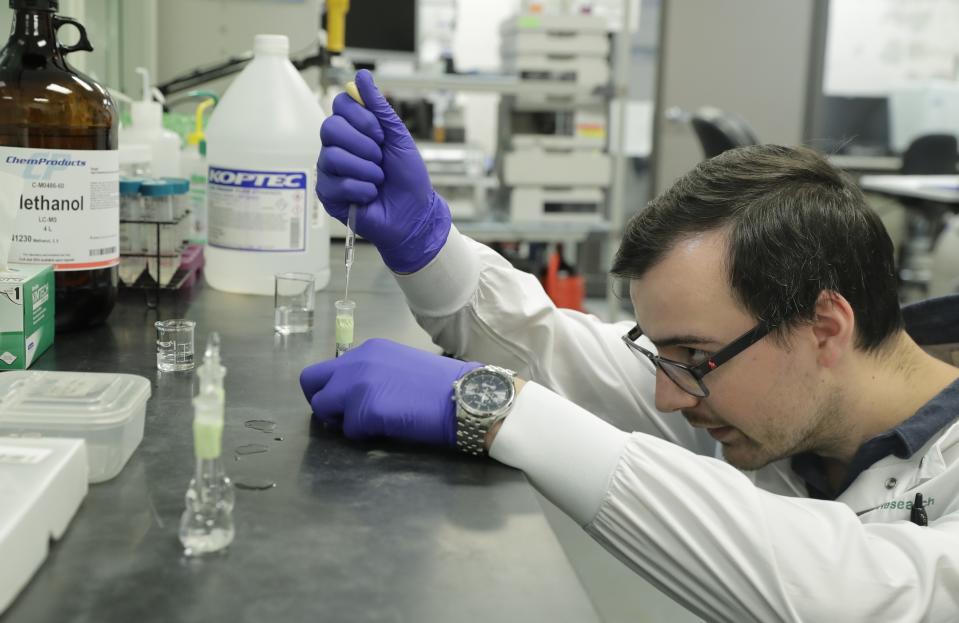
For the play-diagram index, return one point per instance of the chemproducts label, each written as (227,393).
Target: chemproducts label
(69,212)
(257,210)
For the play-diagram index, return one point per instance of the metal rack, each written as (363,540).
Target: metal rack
(155,284)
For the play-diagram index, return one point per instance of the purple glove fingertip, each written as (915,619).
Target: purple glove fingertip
(394,129)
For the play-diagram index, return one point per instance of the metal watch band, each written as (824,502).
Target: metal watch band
(470,433)
(471,430)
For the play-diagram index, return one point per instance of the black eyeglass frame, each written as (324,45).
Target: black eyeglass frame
(700,370)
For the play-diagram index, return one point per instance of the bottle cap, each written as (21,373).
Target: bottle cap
(271,44)
(146,113)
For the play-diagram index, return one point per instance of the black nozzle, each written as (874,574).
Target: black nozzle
(36,5)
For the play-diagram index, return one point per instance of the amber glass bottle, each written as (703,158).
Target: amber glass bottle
(58,133)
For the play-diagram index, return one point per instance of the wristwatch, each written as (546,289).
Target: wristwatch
(483,397)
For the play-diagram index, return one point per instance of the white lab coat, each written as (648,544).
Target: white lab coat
(729,545)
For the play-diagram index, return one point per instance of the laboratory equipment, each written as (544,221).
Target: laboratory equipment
(131,209)
(60,122)
(263,215)
(344,325)
(206,525)
(158,202)
(458,172)
(42,483)
(163,241)
(105,409)
(146,128)
(294,299)
(350,246)
(182,206)
(555,163)
(174,344)
(571,48)
(193,163)
(351,216)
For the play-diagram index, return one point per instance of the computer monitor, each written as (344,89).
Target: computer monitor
(381,30)
(854,125)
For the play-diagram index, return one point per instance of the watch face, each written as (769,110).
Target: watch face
(485,392)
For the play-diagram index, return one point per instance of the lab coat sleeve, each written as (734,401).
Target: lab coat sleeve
(474,304)
(699,530)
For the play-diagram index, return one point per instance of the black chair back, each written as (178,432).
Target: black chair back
(931,154)
(718,131)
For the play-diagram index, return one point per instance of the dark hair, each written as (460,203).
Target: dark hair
(797,226)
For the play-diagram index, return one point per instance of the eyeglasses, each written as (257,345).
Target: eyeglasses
(689,377)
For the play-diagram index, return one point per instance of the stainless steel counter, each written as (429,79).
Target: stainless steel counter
(351,532)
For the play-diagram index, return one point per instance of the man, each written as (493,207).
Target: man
(766,305)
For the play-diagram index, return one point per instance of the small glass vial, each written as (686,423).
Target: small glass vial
(131,209)
(182,204)
(160,206)
(344,325)
(158,200)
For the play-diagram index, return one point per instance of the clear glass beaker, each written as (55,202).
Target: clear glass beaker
(174,344)
(344,325)
(294,299)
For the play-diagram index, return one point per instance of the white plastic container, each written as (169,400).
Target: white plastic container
(262,143)
(106,410)
(42,482)
(147,129)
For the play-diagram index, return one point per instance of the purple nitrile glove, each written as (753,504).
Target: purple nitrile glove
(385,389)
(369,159)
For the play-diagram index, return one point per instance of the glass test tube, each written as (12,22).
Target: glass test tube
(344,325)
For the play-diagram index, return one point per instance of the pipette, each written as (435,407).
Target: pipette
(351,217)
(345,308)
(350,244)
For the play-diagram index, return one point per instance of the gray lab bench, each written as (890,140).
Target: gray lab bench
(352,531)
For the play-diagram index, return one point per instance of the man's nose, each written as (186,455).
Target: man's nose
(669,396)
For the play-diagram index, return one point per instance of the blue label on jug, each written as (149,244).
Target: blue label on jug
(257,210)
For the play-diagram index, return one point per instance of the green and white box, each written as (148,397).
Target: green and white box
(26,314)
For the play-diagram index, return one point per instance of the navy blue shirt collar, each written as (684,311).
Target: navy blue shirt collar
(902,441)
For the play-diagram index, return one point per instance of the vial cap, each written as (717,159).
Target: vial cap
(157,188)
(130,185)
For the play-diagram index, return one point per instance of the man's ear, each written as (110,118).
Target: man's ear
(833,327)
